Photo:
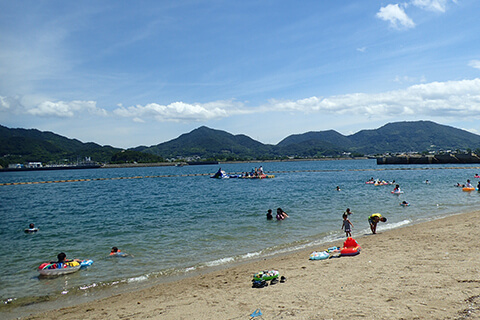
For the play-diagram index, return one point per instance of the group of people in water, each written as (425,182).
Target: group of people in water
(281,215)
(468,185)
(254,173)
(347,225)
(62,257)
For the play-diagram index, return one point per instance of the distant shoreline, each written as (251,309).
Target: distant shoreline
(173,164)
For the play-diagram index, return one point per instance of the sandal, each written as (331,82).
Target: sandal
(283,279)
(274,281)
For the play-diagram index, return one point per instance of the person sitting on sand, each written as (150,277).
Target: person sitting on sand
(281,215)
(374,219)
(269,214)
(347,225)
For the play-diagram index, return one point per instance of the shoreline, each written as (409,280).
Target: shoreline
(419,271)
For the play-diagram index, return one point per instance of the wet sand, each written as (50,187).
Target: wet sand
(424,271)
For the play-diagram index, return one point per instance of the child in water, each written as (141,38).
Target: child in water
(118,253)
(269,214)
(347,225)
(281,215)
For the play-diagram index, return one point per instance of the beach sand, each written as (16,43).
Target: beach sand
(424,271)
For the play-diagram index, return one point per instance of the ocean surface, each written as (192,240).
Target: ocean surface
(175,221)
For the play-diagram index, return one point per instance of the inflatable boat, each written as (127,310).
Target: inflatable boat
(319,255)
(57,269)
(350,247)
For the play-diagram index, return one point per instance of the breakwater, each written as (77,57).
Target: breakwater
(430,159)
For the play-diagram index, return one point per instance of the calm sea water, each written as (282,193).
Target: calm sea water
(176,220)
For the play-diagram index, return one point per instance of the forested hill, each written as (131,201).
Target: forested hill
(23,145)
(417,136)
(31,145)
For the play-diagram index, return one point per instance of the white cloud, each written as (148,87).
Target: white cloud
(180,111)
(431,5)
(362,49)
(64,109)
(396,16)
(451,98)
(455,99)
(474,64)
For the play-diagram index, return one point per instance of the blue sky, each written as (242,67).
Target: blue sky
(130,73)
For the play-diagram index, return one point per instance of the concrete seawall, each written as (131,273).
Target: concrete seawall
(437,159)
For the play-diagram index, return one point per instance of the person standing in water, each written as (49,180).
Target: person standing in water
(269,214)
(347,225)
(281,215)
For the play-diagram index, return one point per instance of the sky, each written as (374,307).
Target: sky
(131,73)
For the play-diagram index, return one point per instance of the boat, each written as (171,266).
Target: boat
(59,271)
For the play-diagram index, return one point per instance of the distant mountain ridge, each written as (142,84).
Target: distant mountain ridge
(207,143)
(394,137)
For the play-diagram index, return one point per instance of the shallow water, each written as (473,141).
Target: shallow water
(176,219)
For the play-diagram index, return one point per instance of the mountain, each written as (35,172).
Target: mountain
(28,145)
(209,143)
(314,144)
(397,137)
(22,145)
(413,136)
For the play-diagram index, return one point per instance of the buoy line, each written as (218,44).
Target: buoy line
(208,174)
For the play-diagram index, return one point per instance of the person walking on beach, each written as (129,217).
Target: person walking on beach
(374,219)
(347,225)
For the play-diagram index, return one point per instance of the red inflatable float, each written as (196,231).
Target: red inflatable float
(350,247)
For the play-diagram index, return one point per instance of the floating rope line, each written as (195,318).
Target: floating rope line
(208,174)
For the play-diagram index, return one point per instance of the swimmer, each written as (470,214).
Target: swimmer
(118,253)
(269,214)
(31,228)
(281,215)
(469,184)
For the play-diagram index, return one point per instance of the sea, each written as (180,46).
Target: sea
(176,221)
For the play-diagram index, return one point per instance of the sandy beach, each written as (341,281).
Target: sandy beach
(424,271)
